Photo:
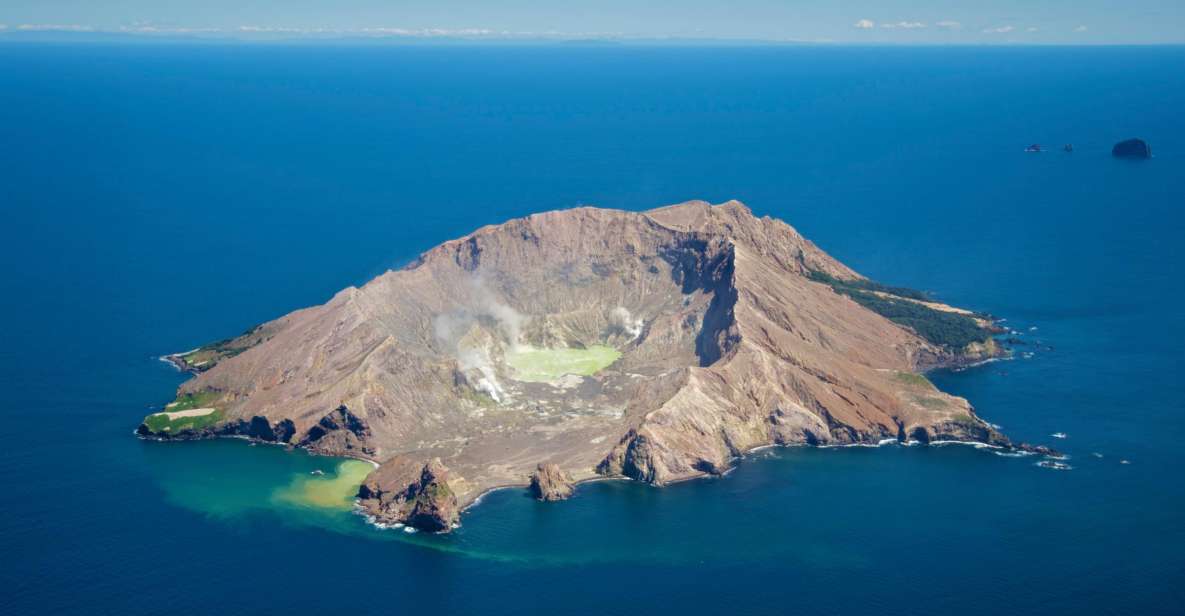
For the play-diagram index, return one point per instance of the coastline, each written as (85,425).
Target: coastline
(956,361)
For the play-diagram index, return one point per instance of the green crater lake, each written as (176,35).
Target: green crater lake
(540,365)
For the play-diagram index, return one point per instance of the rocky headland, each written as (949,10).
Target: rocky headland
(585,343)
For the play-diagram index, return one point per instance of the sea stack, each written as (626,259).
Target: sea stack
(549,483)
(1132,148)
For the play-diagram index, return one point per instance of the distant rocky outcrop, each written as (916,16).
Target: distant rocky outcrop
(549,483)
(1132,148)
(729,332)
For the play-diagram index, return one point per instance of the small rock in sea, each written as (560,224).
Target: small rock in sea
(1132,148)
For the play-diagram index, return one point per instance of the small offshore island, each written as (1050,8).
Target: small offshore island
(588,343)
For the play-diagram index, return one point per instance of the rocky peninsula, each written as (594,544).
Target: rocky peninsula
(571,345)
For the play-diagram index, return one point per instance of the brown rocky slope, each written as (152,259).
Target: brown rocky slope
(728,342)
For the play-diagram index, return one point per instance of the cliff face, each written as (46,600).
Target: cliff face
(402,491)
(727,341)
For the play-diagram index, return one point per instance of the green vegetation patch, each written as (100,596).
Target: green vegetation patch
(931,402)
(868,285)
(206,356)
(437,491)
(199,400)
(540,365)
(915,380)
(162,423)
(167,421)
(949,329)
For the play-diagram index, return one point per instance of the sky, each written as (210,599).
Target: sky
(837,21)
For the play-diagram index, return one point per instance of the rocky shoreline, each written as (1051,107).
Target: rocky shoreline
(427,504)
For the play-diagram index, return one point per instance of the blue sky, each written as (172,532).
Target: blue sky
(854,21)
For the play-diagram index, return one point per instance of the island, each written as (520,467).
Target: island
(588,343)
(1132,148)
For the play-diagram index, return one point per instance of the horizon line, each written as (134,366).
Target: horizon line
(390,35)
(98,36)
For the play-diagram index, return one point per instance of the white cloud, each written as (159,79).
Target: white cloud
(1032,29)
(55,28)
(907,25)
(277,29)
(383,31)
(1080,29)
(864,24)
(949,24)
(148,28)
(999,30)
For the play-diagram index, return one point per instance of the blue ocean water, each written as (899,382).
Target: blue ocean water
(156,197)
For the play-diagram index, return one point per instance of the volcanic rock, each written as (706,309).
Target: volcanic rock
(549,483)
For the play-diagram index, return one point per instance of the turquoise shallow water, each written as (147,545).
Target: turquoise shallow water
(158,197)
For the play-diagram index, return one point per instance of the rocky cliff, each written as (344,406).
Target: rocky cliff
(473,367)
(550,483)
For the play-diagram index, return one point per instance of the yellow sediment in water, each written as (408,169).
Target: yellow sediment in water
(539,365)
(333,490)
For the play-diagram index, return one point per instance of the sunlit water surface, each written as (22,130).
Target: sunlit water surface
(157,197)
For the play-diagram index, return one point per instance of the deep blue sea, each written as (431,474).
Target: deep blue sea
(155,197)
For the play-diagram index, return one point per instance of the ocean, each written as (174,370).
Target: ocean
(159,196)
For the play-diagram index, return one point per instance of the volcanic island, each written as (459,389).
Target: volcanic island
(588,343)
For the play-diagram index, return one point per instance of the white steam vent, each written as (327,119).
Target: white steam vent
(621,321)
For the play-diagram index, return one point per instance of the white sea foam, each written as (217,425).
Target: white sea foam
(881,443)
(968,443)
(984,362)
